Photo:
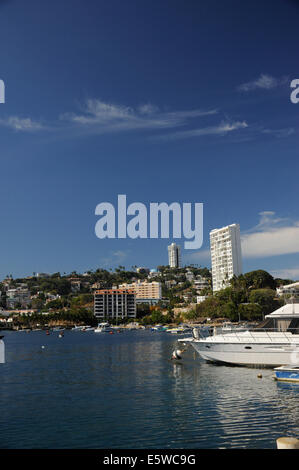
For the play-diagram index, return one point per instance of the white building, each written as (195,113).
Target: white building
(174,255)
(19,295)
(201,283)
(189,276)
(225,255)
(201,298)
(288,289)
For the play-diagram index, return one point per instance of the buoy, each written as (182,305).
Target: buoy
(43,347)
(177,354)
(287,443)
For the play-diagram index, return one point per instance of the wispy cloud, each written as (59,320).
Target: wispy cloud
(221,129)
(263,82)
(114,258)
(273,236)
(21,124)
(103,117)
(279,133)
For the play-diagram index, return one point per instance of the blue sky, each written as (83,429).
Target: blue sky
(161,101)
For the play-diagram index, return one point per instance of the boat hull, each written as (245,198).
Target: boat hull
(285,374)
(247,354)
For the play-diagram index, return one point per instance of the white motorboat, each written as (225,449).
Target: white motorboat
(103,328)
(273,343)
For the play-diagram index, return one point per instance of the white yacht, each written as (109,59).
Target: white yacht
(273,343)
(103,328)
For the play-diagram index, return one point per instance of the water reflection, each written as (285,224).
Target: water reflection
(124,391)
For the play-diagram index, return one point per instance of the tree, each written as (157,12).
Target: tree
(250,312)
(259,280)
(265,298)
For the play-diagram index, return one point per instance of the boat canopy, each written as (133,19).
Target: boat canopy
(288,311)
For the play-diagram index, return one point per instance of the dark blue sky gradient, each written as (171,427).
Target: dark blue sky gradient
(175,55)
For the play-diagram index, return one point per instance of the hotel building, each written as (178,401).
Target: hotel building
(146,292)
(174,255)
(226,255)
(114,304)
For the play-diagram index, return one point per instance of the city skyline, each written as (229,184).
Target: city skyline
(160,102)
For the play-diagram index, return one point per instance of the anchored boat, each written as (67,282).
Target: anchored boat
(273,343)
(103,328)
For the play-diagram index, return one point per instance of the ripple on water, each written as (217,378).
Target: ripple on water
(123,391)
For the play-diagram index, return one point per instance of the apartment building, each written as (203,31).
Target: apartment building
(145,290)
(289,290)
(114,304)
(18,295)
(174,255)
(201,283)
(225,255)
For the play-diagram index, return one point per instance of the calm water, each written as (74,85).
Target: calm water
(90,390)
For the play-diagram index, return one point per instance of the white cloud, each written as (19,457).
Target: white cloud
(273,236)
(21,124)
(104,117)
(279,132)
(264,82)
(116,257)
(222,129)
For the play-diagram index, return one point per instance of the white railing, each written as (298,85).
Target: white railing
(253,336)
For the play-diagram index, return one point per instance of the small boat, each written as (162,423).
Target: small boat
(77,328)
(89,328)
(287,373)
(103,328)
(179,330)
(158,328)
(86,328)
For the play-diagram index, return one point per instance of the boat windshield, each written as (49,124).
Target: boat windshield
(290,325)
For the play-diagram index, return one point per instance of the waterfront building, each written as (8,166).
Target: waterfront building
(145,290)
(174,255)
(114,304)
(225,255)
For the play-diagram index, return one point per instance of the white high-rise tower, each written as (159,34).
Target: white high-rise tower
(174,255)
(226,255)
